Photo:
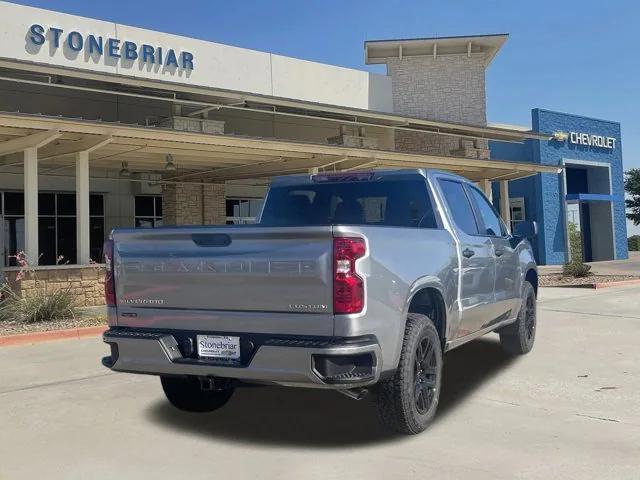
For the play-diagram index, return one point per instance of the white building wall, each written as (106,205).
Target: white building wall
(215,65)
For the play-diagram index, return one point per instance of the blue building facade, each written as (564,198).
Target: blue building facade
(588,194)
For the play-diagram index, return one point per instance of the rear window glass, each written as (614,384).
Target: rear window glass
(401,203)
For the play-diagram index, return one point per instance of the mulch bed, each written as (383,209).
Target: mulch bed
(559,280)
(14,328)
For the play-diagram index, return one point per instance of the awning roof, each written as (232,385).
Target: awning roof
(197,99)
(220,157)
(377,51)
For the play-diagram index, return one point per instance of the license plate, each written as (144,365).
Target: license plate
(215,346)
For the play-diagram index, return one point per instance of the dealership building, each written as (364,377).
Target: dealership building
(104,125)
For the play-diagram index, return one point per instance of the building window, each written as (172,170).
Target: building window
(243,210)
(517,211)
(148,211)
(56,227)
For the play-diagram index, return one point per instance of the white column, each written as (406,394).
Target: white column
(485,186)
(31,205)
(505,207)
(82,207)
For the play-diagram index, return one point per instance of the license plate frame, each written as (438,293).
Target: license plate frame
(218,347)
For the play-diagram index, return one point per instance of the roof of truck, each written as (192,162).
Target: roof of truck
(359,175)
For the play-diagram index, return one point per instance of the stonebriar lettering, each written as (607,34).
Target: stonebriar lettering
(112,47)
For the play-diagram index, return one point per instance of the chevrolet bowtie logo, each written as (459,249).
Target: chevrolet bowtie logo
(560,136)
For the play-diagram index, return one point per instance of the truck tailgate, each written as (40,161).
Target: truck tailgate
(218,268)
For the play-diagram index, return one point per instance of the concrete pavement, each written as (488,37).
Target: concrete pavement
(569,409)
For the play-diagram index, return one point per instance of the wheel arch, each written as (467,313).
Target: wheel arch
(428,299)
(531,276)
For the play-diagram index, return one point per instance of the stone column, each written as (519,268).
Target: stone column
(82,208)
(449,88)
(31,247)
(505,206)
(213,204)
(485,186)
(194,204)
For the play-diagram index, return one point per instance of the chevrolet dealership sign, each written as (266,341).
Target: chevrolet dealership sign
(589,140)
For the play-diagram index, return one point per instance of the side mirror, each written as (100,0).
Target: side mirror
(526,229)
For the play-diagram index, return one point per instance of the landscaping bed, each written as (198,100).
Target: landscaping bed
(559,280)
(14,328)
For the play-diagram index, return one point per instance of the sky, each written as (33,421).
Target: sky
(573,56)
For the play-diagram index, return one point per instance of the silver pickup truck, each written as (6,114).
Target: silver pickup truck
(350,281)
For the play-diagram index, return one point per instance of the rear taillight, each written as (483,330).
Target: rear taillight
(348,287)
(109,280)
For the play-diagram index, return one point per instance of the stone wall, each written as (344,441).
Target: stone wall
(214,209)
(194,204)
(86,283)
(449,88)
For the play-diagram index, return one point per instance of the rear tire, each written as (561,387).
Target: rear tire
(407,402)
(185,394)
(519,337)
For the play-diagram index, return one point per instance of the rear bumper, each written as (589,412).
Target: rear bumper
(288,361)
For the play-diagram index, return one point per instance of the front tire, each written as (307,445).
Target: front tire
(519,337)
(408,401)
(185,394)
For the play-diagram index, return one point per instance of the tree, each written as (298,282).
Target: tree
(632,187)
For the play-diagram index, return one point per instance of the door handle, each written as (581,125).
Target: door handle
(499,252)
(468,253)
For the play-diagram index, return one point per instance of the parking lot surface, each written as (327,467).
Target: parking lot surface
(570,409)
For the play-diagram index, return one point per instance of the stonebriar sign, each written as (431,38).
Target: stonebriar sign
(97,45)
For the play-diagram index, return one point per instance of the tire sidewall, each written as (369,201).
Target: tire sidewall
(419,421)
(527,292)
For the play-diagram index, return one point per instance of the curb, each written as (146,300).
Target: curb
(616,284)
(597,286)
(47,336)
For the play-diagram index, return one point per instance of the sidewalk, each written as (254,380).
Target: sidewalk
(612,267)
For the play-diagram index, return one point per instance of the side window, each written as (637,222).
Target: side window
(491,220)
(459,206)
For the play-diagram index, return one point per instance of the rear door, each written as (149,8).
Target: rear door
(507,287)
(477,277)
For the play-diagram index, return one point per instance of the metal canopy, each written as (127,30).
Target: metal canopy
(199,99)
(219,157)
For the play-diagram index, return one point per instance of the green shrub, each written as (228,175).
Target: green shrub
(36,307)
(634,243)
(576,269)
(575,243)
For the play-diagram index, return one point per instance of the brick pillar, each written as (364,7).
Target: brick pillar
(169,208)
(182,204)
(194,204)
(213,204)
